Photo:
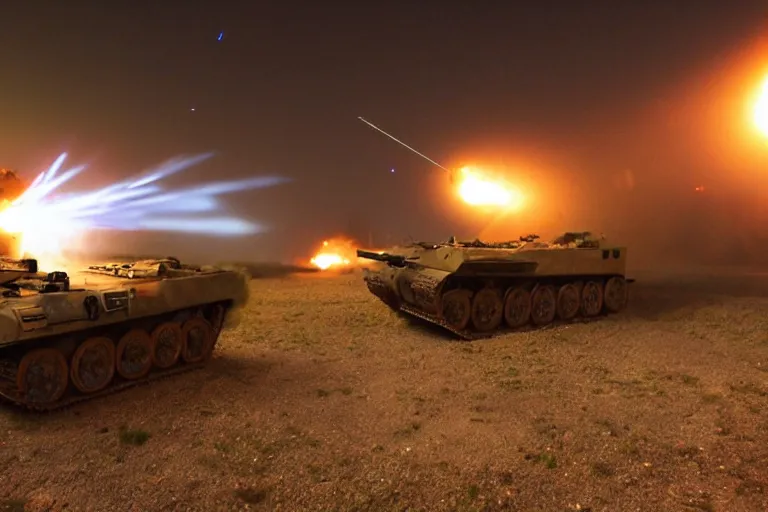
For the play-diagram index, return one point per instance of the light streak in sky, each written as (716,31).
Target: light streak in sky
(45,218)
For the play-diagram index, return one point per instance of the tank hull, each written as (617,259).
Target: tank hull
(476,292)
(107,333)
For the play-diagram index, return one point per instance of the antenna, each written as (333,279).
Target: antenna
(404,144)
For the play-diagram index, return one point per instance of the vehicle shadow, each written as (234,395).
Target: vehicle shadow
(222,370)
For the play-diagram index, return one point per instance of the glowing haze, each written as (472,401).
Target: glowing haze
(761,109)
(49,222)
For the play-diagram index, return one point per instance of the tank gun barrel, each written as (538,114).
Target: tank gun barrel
(390,259)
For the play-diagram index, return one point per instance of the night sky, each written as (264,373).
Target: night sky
(613,112)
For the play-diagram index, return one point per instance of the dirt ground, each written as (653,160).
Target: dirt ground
(322,399)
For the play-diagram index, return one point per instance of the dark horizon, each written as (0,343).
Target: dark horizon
(613,113)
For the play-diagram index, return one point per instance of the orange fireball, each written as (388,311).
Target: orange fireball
(478,190)
(335,253)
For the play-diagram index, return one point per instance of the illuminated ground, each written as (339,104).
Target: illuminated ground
(323,399)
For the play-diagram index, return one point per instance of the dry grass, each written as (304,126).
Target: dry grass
(321,399)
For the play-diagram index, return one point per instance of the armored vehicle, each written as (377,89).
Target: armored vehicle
(66,338)
(141,268)
(477,289)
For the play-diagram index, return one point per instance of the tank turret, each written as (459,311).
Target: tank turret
(475,288)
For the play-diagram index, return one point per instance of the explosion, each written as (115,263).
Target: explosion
(47,223)
(761,110)
(476,190)
(336,253)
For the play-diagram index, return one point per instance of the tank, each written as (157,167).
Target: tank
(68,338)
(478,289)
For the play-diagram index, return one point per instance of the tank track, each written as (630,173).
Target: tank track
(472,335)
(11,395)
(434,319)
(468,335)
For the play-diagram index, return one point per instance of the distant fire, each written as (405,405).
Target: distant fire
(326,259)
(335,253)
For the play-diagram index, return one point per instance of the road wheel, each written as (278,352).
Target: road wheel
(43,376)
(568,301)
(543,305)
(517,307)
(198,339)
(616,294)
(134,354)
(93,365)
(592,299)
(167,343)
(487,310)
(456,308)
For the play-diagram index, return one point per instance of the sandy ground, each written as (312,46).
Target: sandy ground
(321,399)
